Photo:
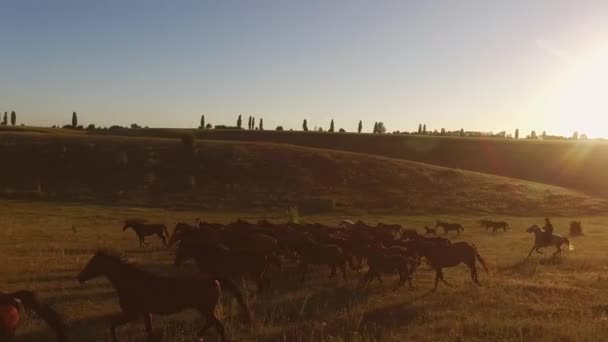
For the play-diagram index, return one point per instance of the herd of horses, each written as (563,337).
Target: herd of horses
(227,253)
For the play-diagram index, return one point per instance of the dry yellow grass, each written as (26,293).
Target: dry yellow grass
(544,299)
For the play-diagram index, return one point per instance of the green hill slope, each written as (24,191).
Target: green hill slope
(166,172)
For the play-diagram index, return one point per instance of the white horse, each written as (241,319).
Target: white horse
(540,241)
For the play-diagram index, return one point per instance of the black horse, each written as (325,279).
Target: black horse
(141,294)
(143,229)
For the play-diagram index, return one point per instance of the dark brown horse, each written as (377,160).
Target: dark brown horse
(143,229)
(220,261)
(9,314)
(447,227)
(441,256)
(313,253)
(494,225)
(388,261)
(141,294)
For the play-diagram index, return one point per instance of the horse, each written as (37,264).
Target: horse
(141,293)
(495,225)
(9,314)
(143,229)
(440,256)
(221,261)
(540,240)
(313,253)
(447,227)
(389,260)
(430,231)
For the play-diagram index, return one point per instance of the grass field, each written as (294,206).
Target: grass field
(43,246)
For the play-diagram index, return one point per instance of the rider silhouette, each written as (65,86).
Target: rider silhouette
(548,228)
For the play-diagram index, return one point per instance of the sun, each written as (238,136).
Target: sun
(585,99)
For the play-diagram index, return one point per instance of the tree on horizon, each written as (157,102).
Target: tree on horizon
(202,121)
(331,126)
(239,122)
(13,118)
(74,120)
(305,125)
(360,128)
(5,119)
(261,124)
(380,128)
(517,133)
(462,132)
(424,129)
(419,128)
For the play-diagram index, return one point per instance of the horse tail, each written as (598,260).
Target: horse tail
(480,259)
(166,232)
(570,245)
(231,286)
(30,302)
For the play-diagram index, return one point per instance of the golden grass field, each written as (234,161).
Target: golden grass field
(43,246)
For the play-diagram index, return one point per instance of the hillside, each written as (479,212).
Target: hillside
(166,172)
(575,165)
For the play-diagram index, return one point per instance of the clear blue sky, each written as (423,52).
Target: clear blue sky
(482,65)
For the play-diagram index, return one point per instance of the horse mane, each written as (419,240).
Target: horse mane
(112,254)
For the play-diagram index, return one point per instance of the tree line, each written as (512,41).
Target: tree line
(378,128)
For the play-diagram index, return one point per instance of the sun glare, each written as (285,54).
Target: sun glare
(585,105)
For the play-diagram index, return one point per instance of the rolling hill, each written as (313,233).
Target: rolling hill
(242,175)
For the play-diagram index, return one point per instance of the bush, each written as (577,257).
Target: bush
(342,130)
(576,228)
(91,127)
(279,128)
(188,141)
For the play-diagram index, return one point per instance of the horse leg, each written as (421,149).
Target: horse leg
(333,271)
(211,320)
(148,323)
(303,269)
(474,275)
(532,250)
(120,321)
(162,237)
(559,250)
(443,280)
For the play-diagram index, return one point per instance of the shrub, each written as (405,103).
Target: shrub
(279,128)
(576,228)
(188,141)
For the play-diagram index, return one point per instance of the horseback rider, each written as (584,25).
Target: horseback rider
(548,229)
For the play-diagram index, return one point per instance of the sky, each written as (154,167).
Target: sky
(479,65)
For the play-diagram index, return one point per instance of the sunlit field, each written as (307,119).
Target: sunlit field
(44,246)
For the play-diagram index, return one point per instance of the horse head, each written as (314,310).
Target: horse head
(93,268)
(533,229)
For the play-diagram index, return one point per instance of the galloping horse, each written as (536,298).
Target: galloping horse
(540,241)
(9,314)
(141,294)
(143,229)
(441,256)
(449,227)
(495,225)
